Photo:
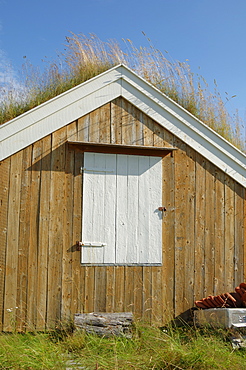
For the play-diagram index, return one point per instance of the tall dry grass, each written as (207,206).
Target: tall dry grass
(149,349)
(88,56)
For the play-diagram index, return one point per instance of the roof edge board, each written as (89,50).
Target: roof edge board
(167,103)
(18,140)
(73,94)
(234,167)
(189,129)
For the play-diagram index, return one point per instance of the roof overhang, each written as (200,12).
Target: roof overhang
(121,81)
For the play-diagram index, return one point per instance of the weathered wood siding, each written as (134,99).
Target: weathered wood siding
(41,277)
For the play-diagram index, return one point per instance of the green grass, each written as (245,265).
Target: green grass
(150,348)
(85,57)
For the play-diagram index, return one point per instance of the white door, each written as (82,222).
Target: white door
(121,221)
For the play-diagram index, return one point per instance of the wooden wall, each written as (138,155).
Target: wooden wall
(41,278)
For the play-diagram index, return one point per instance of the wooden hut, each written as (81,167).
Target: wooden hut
(155,198)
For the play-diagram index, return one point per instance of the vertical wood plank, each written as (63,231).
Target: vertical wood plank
(83,129)
(11,276)
(180,225)
(239,232)
(209,230)
(119,288)
(78,273)
(94,127)
(89,289)
(127,123)
(157,295)
(168,234)
(158,292)
(68,241)
(229,233)
(121,210)
(116,121)
(219,233)
(129,290)
(200,227)
(100,289)
(34,227)
(43,234)
(24,238)
(190,227)
(147,294)
(4,192)
(104,121)
(110,292)
(56,226)
(94,207)
(148,140)
(138,292)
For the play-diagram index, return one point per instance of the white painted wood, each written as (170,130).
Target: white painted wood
(144,210)
(120,209)
(121,81)
(110,200)
(121,215)
(16,139)
(99,195)
(132,209)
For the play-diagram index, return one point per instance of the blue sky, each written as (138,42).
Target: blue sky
(209,33)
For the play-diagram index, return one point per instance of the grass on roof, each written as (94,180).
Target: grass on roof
(88,56)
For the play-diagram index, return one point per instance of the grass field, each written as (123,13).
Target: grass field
(150,348)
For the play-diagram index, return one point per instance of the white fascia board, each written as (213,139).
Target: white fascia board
(185,126)
(58,112)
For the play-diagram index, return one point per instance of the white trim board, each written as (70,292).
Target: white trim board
(121,81)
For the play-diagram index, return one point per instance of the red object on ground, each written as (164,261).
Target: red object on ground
(228,300)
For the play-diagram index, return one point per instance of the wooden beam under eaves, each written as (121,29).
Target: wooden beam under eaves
(120,148)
